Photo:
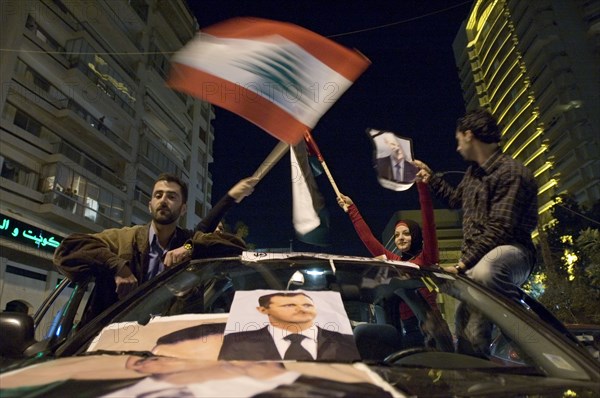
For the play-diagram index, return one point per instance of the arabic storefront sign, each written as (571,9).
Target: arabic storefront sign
(28,234)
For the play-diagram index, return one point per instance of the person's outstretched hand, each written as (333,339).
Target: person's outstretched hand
(424,173)
(125,282)
(176,256)
(243,188)
(344,202)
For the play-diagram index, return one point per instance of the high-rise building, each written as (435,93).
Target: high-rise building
(536,66)
(88,123)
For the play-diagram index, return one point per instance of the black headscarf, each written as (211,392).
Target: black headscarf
(416,245)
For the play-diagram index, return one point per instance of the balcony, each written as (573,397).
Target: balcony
(55,206)
(106,87)
(171,101)
(156,160)
(141,196)
(127,44)
(75,196)
(93,124)
(41,40)
(141,9)
(80,159)
(179,18)
(69,210)
(171,135)
(61,11)
(90,134)
(130,21)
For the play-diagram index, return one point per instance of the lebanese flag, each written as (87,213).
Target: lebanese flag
(277,75)
(309,214)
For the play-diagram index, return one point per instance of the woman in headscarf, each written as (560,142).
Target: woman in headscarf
(416,245)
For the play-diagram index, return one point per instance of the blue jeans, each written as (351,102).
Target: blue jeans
(503,269)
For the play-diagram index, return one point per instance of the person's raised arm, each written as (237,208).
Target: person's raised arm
(442,189)
(362,229)
(430,253)
(235,195)
(209,224)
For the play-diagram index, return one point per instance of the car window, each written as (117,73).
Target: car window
(208,287)
(60,317)
(374,295)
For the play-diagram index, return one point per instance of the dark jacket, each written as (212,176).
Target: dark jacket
(259,345)
(385,170)
(108,252)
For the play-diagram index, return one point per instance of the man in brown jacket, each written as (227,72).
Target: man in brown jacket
(121,258)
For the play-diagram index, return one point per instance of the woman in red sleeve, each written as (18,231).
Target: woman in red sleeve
(418,246)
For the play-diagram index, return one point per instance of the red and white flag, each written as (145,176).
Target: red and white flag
(277,75)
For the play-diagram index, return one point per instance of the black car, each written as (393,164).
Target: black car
(587,334)
(97,358)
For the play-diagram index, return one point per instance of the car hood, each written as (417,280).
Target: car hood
(429,383)
(113,375)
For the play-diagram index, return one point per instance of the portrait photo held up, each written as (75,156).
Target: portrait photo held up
(392,159)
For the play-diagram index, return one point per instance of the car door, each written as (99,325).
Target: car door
(57,318)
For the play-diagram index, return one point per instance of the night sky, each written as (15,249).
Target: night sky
(411,88)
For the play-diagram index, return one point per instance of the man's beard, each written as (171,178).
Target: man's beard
(169,218)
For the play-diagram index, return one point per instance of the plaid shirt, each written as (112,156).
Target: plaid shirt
(499,202)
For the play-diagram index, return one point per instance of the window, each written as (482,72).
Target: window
(16,172)
(69,190)
(92,192)
(27,123)
(61,317)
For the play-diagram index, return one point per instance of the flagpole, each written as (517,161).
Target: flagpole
(271,160)
(312,145)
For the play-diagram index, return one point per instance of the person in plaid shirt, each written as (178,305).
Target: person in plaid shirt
(498,196)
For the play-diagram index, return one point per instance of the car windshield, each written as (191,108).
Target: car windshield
(372,293)
(208,287)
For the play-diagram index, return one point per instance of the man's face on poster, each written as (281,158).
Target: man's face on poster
(396,149)
(206,347)
(222,370)
(297,309)
(158,365)
(184,371)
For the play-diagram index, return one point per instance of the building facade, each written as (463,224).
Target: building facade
(87,124)
(536,66)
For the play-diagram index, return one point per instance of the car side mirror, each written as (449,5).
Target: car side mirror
(17,334)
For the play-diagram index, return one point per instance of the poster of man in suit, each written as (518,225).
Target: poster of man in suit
(185,364)
(392,160)
(288,325)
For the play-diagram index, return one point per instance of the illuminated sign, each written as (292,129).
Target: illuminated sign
(101,64)
(27,234)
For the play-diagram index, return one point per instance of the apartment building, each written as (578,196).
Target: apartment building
(87,123)
(536,66)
